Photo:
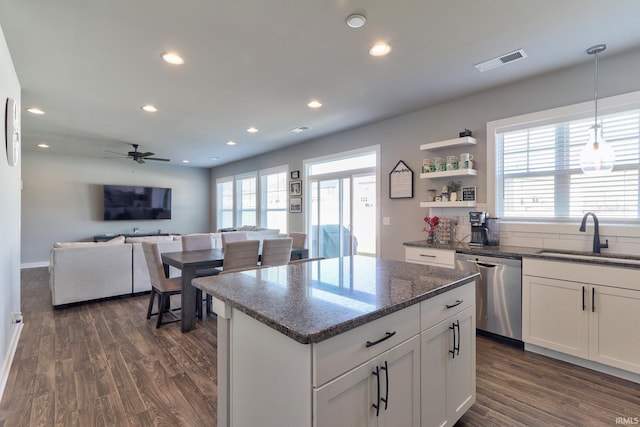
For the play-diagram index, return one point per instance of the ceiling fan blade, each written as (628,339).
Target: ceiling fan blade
(147,154)
(157,158)
(119,154)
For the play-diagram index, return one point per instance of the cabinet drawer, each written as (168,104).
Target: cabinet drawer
(429,256)
(344,352)
(434,310)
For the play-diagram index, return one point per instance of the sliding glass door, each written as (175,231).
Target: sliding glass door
(343,207)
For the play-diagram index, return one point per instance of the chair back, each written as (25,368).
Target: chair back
(154,264)
(299,239)
(233,236)
(241,254)
(196,242)
(276,251)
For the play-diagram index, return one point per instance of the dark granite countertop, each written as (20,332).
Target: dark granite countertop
(313,301)
(518,252)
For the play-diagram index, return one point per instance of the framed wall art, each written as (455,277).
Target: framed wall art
(401,182)
(295,204)
(295,188)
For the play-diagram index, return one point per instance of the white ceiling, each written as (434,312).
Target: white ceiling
(91,64)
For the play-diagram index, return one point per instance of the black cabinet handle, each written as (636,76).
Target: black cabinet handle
(593,300)
(377,406)
(384,338)
(386,375)
(455,304)
(583,303)
(453,351)
(456,342)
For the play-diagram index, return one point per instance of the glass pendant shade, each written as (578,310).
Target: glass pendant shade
(597,156)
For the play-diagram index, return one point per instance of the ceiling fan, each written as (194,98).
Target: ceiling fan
(138,156)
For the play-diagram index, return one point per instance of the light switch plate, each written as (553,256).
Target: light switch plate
(386,220)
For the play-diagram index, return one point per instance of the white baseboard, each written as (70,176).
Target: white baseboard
(34,264)
(6,364)
(620,373)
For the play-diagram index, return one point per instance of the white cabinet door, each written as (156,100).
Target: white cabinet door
(347,400)
(389,381)
(462,376)
(400,385)
(555,315)
(448,369)
(614,335)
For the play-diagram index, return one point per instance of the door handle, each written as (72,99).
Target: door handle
(384,338)
(583,302)
(377,405)
(455,304)
(593,300)
(386,376)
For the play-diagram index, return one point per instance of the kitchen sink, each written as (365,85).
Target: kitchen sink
(589,256)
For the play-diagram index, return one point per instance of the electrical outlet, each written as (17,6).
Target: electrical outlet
(386,220)
(16,317)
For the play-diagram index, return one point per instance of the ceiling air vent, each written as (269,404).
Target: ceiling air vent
(501,60)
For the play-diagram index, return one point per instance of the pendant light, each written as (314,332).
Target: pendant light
(597,156)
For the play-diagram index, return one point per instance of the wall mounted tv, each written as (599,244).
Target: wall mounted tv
(125,202)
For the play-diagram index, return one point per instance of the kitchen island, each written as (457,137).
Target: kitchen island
(344,341)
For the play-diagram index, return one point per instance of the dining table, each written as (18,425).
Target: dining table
(189,262)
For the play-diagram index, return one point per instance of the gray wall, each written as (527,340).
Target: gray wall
(9,224)
(62,199)
(400,137)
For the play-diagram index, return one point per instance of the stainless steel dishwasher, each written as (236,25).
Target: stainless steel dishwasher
(498,293)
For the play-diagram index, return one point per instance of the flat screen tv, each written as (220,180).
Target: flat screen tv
(126,202)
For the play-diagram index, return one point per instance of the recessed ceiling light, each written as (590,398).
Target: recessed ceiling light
(252,130)
(35,110)
(231,143)
(149,108)
(315,104)
(43,145)
(173,58)
(185,161)
(214,158)
(356,20)
(379,49)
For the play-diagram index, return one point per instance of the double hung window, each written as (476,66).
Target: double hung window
(538,175)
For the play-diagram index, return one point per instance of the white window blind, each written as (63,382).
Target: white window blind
(224,191)
(539,176)
(273,204)
(246,193)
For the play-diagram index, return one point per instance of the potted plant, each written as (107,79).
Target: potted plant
(454,187)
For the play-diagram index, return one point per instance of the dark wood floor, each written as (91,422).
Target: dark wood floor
(104,364)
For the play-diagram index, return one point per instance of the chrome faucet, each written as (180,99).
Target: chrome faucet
(596,232)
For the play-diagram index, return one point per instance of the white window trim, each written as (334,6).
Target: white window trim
(233,202)
(613,104)
(237,212)
(269,171)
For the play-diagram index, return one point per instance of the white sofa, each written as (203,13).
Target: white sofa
(84,271)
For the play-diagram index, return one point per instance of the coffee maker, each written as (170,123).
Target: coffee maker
(479,230)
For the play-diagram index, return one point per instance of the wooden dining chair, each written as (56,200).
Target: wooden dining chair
(240,254)
(299,239)
(161,286)
(276,251)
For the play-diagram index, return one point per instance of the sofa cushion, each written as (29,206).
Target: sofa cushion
(115,241)
(153,239)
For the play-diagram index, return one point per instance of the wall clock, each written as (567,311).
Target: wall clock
(12,132)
